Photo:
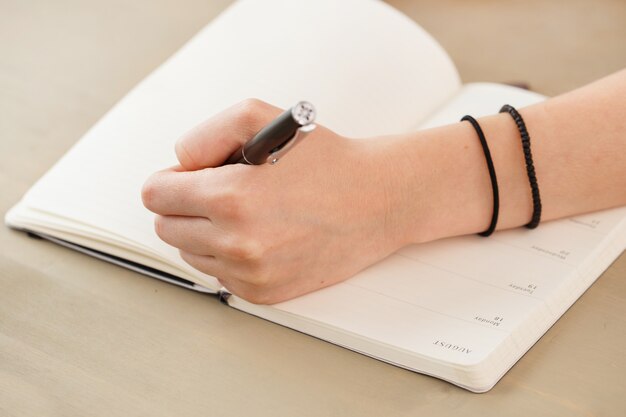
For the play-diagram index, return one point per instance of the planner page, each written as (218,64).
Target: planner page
(463,309)
(367,68)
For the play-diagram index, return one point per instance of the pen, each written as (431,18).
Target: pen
(273,141)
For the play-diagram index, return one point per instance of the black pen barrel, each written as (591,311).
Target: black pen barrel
(269,139)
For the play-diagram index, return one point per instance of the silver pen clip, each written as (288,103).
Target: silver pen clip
(301,133)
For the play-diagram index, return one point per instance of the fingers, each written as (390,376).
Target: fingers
(244,281)
(196,235)
(230,274)
(236,278)
(200,236)
(212,142)
(205,263)
(177,193)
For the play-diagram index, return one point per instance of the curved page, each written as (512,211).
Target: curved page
(368,69)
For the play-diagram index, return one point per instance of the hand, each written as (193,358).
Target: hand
(273,232)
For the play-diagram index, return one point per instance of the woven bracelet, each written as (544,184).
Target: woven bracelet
(530,167)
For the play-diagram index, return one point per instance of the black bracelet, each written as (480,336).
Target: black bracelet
(492,175)
(530,167)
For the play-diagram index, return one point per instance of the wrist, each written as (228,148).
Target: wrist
(412,177)
(439,185)
(452,180)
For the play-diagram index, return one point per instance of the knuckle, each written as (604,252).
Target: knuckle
(262,276)
(251,105)
(229,204)
(248,111)
(232,203)
(243,250)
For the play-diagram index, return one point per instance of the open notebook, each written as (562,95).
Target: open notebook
(463,309)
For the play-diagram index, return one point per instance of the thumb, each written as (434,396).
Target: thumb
(213,141)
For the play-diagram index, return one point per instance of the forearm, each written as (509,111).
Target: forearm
(335,206)
(578,143)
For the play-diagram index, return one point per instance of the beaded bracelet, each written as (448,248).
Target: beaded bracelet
(492,175)
(530,167)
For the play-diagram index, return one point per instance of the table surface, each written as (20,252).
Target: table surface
(79,337)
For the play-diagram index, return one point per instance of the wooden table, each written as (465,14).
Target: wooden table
(79,337)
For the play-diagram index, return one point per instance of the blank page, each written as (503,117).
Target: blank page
(367,68)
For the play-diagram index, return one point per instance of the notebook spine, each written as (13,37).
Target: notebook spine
(223,296)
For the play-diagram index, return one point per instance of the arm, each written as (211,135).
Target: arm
(335,205)
(578,142)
